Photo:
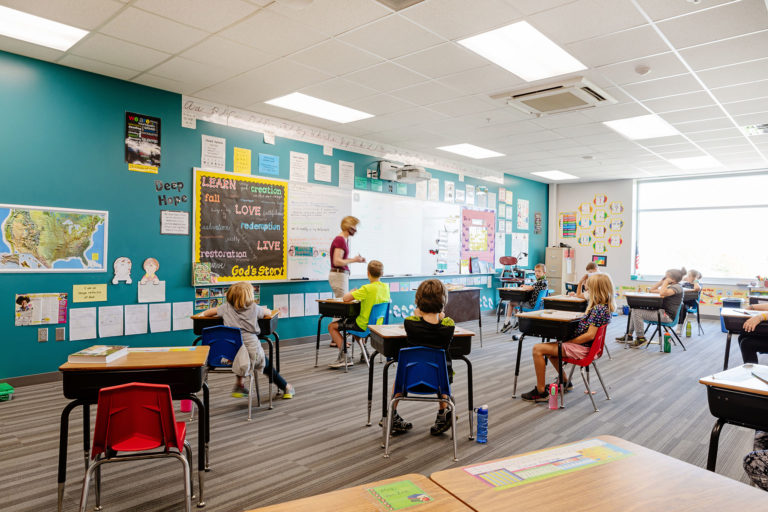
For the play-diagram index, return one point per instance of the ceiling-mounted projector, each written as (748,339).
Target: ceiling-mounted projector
(412,174)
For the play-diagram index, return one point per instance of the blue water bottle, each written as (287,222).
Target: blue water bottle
(482,424)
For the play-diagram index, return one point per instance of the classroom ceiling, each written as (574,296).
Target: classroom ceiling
(707,60)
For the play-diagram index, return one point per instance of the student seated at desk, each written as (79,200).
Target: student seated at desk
(749,344)
(375,292)
(599,308)
(541,284)
(241,311)
(429,327)
(672,293)
(756,461)
(582,291)
(689,282)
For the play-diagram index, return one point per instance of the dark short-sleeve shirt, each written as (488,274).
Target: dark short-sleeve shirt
(598,316)
(538,286)
(671,303)
(339,243)
(424,334)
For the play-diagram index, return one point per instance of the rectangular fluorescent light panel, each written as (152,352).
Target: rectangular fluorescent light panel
(318,108)
(695,162)
(521,49)
(555,175)
(37,30)
(471,151)
(642,127)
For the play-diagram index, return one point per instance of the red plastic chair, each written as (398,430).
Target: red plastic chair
(132,418)
(595,352)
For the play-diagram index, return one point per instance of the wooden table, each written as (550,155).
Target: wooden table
(649,301)
(547,324)
(645,480)
(736,397)
(734,319)
(183,371)
(359,499)
(389,339)
(267,327)
(565,303)
(335,308)
(464,305)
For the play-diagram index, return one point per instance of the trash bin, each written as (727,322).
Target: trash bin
(728,303)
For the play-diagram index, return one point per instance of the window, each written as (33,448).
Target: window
(717,225)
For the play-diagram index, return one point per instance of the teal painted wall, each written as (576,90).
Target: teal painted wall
(62,146)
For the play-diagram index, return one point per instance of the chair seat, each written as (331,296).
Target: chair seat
(141,442)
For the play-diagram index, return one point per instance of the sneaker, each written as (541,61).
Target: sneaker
(627,338)
(290,392)
(399,425)
(638,342)
(239,392)
(506,327)
(442,423)
(339,362)
(535,395)
(568,387)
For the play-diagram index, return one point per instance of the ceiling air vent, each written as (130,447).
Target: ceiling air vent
(573,94)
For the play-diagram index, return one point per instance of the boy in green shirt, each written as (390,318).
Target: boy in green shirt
(375,292)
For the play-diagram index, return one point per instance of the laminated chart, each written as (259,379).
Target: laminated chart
(547,463)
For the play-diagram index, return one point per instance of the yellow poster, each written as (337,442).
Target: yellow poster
(89,293)
(242,161)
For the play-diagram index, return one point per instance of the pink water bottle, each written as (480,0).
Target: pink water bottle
(553,396)
(186,405)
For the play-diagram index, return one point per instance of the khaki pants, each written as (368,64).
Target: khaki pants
(339,283)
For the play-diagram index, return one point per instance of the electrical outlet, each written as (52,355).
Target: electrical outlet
(42,334)
(61,333)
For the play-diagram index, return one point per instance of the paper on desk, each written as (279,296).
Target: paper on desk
(82,324)
(310,304)
(280,302)
(110,321)
(136,319)
(182,311)
(567,315)
(297,304)
(160,317)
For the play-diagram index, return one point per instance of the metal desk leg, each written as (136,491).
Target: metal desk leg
(470,401)
(370,387)
(344,343)
(277,352)
(560,373)
(63,439)
(714,439)
(86,433)
(480,322)
(727,350)
(517,365)
(385,381)
(661,338)
(202,445)
(317,342)
(207,416)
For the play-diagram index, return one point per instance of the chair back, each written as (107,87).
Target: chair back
(677,315)
(539,300)
(224,342)
(595,351)
(422,371)
(379,316)
(135,417)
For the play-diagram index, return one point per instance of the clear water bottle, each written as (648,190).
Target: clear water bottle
(688,329)
(482,424)
(553,396)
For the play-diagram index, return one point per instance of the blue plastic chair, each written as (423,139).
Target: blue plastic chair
(421,371)
(539,302)
(379,315)
(224,343)
(667,327)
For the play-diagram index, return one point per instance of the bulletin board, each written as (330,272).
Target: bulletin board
(478,234)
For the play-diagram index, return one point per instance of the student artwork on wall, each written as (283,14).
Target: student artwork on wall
(449,188)
(520,248)
(599,246)
(537,223)
(616,208)
(477,234)
(600,200)
(522,214)
(142,142)
(599,231)
(122,268)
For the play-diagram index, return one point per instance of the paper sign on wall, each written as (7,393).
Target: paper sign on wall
(269,164)
(213,155)
(242,161)
(89,292)
(299,168)
(323,172)
(346,174)
(174,222)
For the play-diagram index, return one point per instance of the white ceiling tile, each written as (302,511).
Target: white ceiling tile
(426,93)
(528,7)
(747,107)
(660,66)
(727,51)
(385,77)
(679,102)
(749,119)
(733,19)
(724,134)
(455,19)
(159,82)
(150,30)
(488,79)
(332,17)
(391,37)
(194,74)
(562,120)
(692,114)
(335,57)
(273,33)
(227,54)
(735,151)
(585,19)
(95,66)
(397,120)
(613,112)
(339,91)
(662,9)
(203,14)
(741,73)
(662,141)
(120,53)
(705,125)
(443,59)
(742,92)
(712,145)
(8,44)
(85,14)
(630,44)
(663,87)
(463,106)
(380,104)
(680,154)
(583,130)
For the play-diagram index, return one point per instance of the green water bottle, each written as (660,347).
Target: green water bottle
(688,329)
(667,342)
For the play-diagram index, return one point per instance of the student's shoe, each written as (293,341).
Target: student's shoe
(442,422)
(290,392)
(339,362)
(506,327)
(638,342)
(627,338)
(399,425)
(535,395)
(568,387)
(239,392)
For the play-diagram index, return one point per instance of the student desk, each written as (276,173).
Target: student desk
(645,480)
(511,294)
(734,319)
(387,340)
(735,396)
(546,324)
(359,499)
(267,327)
(649,301)
(183,371)
(335,308)
(464,305)
(565,303)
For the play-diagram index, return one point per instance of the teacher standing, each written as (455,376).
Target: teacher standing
(339,275)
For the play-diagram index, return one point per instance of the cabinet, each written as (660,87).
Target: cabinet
(560,267)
